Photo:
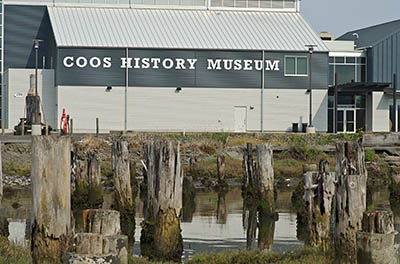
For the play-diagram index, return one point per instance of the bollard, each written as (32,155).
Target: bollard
(71,126)
(22,127)
(97,126)
(47,128)
(3,123)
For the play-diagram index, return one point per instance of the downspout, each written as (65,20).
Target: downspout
(262,90)
(126,92)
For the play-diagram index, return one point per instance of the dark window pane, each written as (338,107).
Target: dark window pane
(349,127)
(360,101)
(340,116)
(350,116)
(331,101)
(390,117)
(361,60)
(330,121)
(340,126)
(398,117)
(290,65)
(350,60)
(360,120)
(346,100)
(363,74)
(346,73)
(339,59)
(302,66)
(331,59)
(331,74)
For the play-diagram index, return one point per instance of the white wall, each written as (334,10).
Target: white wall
(282,107)
(380,112)
(17,84)
(192,109)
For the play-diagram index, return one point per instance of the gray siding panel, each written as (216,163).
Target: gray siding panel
(201,76)
(22,24)
(387,59)
(279,80)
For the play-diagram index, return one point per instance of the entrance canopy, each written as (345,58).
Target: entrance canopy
(360,87)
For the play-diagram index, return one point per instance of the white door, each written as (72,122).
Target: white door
(240,118)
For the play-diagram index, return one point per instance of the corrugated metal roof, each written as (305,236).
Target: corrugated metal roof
(181,29)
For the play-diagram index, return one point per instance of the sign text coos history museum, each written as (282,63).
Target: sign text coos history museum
(171,63)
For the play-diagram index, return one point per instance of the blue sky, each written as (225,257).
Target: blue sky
(340,16)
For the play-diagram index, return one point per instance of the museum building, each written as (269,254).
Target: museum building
(184,65)
(166,65)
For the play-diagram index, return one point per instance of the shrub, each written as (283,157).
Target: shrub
(369,155)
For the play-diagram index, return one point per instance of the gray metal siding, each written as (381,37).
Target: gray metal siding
(198,77)
(22,24)
(278,79)
(182,29)
(386,59)
(114,76)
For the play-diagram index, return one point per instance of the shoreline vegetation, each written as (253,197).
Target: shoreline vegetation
(13,254)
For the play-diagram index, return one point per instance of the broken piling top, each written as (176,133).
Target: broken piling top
(121,172)
(104,222)
(350,159)
(265,167)
(350,198)
(51,179)
(164,175)
(378,221)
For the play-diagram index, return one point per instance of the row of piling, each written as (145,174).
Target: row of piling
(359,235)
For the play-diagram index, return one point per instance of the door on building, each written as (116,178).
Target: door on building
(346,120)
(240,118)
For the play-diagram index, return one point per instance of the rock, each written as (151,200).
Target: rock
(74,258)
(89,243)
(117,244)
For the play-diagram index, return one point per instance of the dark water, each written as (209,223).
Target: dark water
(211,222)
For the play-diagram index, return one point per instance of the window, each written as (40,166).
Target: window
(349,69)
(296,66)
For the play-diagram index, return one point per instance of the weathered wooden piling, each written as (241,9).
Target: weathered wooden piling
(102,241)
(51,197)
(319,190)
(350,199)
(376,242)
(258,180)
(249,167)
(265,178)
(1,175)
(221,207)
(221,169)
(161,237)
(123,195)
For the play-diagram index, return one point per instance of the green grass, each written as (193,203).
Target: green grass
(302,256)
(16,169)
(370,154)
(10,253)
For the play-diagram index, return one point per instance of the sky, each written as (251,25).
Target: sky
(341,16)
